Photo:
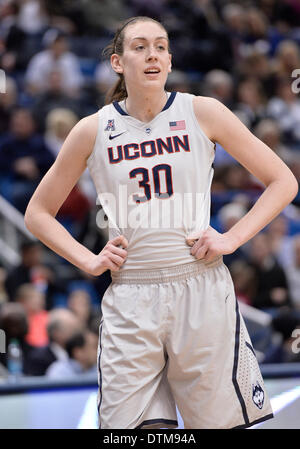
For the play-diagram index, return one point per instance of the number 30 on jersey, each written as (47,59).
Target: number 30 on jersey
(153,186)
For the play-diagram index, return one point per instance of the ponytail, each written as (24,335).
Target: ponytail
(117,92)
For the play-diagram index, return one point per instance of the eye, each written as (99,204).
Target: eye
(161,47)
(139,47)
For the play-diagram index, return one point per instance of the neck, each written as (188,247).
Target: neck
(144,106)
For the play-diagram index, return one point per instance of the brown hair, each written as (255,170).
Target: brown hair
(118,92)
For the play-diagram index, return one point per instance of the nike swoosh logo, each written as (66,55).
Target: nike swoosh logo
(117,135)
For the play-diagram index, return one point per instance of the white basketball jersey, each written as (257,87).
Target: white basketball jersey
(153,180)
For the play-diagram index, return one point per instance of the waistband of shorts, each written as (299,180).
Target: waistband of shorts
(168,274)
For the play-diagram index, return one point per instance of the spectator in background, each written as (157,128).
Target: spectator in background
(56,58)
(12,38)
(250,107)
(104,16)
(234,16)
(292,271)
(62,324)
(243,276)
(237,178)
(59,122)
(24,158)
(8,16)
(32,17)
(25,23)
(14,322)
(272,288)
(268,131)
(280,240)
(255,64)
(285,109)
(32,270)
(33,302)
(79,302)
(219,84)
(257,26)
(82,351)
(75,209)
(178,81)
(68,16)
(52,98)
(286,60)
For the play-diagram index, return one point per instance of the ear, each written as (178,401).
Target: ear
(116,64)
(170,63)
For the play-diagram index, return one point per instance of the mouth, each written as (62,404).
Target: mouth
(152,71)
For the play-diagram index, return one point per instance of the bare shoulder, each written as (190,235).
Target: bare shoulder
(207,110)
(84,134)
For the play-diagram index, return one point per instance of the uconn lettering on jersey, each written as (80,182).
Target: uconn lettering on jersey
(148,148)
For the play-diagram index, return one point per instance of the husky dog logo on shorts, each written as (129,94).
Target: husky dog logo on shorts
(110,125)
(258,395)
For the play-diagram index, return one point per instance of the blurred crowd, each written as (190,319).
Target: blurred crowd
(244,53)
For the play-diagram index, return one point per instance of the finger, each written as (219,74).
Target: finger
(200,254)
(120,240)
(116,259)
(196,246)
(190,242)
(210,255)
(117,250)
(112,266)
(193,237)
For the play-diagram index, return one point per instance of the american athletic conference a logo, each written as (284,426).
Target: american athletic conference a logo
(258,395)
(110,125)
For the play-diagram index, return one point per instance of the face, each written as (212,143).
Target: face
(60,46)
(32,256)
(146,60)
(22,124)
(79,303)
(260,248)
(87,355)
(34,301)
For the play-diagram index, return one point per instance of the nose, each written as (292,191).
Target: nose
(152,54)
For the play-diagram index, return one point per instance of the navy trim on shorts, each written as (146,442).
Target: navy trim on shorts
(99,368)
(235,365)
(167,105)
(251,349)
(155,421)
(264,418)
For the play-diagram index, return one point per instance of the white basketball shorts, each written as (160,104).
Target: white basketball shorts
(176,336)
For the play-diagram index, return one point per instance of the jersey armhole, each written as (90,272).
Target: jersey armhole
(91,156)
(210,142)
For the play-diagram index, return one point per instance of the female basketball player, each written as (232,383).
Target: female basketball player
(171,331)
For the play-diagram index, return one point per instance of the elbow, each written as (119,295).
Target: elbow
(28,218)
(290,186)
(294,187)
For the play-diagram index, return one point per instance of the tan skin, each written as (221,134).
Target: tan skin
(145,46)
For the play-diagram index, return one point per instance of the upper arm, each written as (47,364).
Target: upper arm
(223,127)
(67,168)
